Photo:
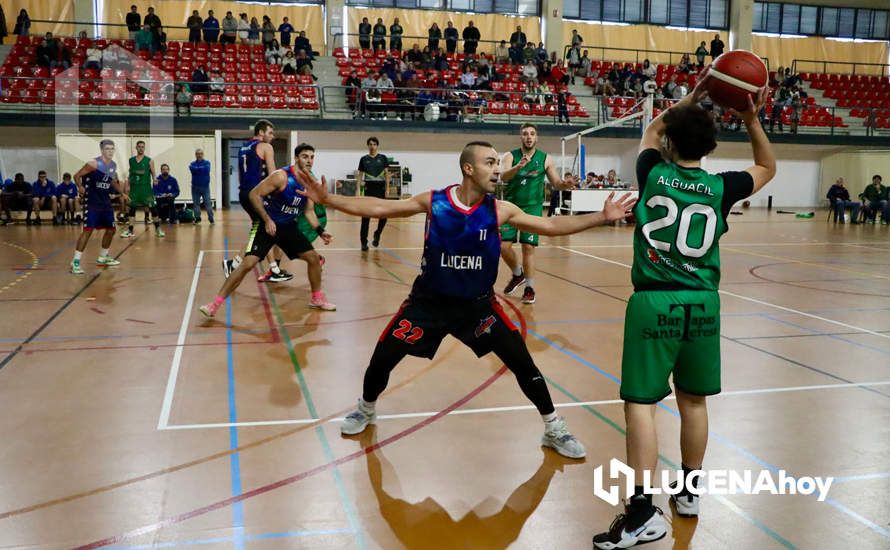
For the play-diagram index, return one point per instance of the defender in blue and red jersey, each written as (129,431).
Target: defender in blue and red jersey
(278,201)
(256,161)
(95,182)
(454,292)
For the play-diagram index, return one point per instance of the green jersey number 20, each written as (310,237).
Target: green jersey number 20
(682,239)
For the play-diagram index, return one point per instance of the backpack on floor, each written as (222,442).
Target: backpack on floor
(186,215)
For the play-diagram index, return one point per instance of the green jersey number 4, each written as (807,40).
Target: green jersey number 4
(682,238)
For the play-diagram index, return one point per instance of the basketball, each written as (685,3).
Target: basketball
(734,76)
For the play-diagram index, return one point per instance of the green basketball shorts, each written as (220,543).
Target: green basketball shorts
(670,332)
(509,233)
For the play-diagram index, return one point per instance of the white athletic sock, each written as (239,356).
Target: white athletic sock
(552,417)
(236,261)
(78,255)
(517,271)
(529,282)
(273,265)
(103,253)
(366,406)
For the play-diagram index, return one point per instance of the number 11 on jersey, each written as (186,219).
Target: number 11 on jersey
(483,234)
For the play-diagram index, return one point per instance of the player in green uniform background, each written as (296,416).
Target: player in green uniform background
(672,323)
(141,176)
(524,172)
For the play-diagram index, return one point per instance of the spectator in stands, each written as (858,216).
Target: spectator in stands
(791,80)
(199,80)
(528,53)
(195,24)
(43,195)
(286,29)
(243,28)
(530,73)
(450,37)
(586,65)
(275,53)
(304,63)
(559,75)
(700,54)
(648,71)
(93,58)
(211,28)
(502,52)
(268,32)
(839,198)
(253,33)
(612,180)
(780,100)
(576,38)
(471,38)
(364,34)
(151,19)
(229,28)
(166,190)
(796,105)
(302,43)
(217,83)
(160,39)
(414,56)
(434,34)
(875,199)
(589,181)
(22,24)
(384,83)
(182,100)
(395,35)
(17,196)
(68,201)
(379,41)
(354,86)
(574,61)
(145,40)
(46,51)
(467,79)
(518,37)
(670,86)
(200,170)
(83,42)
(515,54)
(562,105)
(685,65)
(134,22)
(540,53)
(717,46)
(289,63)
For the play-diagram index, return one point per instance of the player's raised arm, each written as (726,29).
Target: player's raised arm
(555,180)
(764,168)
(368,207)
(613,210)
(508,174)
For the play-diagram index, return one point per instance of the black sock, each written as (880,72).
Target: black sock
(686,473)
(639,497)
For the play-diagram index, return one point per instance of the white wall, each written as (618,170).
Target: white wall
(796,182)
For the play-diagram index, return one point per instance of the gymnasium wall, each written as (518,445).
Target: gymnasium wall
(432,160)
(41,9)
(779,51)
(417,22)
(177,12)
(857,167)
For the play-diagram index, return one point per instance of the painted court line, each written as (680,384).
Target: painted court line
(488,410)
(164,418)
(749,299)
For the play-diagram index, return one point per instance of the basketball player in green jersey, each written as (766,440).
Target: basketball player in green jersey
(524,174)
(141,176)
(672,323)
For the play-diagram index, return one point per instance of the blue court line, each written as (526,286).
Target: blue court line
(861,477)
(725,441)
(217,540)
(234,458)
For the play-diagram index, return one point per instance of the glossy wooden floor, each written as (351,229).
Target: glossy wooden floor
(128,420)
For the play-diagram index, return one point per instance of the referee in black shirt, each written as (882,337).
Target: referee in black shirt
(373,173)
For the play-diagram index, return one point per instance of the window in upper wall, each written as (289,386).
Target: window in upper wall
(839,21)
(809,19)
(790,19)
(507,7)
(680,13)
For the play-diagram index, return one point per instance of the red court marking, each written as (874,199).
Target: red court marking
(264,298)
(308,473)
(97,310)
(140,321)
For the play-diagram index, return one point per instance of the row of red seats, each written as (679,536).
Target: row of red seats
(133,99)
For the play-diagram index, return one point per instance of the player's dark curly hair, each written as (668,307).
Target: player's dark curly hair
(691,131)
(303,147)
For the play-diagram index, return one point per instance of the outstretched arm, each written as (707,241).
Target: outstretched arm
(764,168)
(366,207)
(613,210)
(309,212)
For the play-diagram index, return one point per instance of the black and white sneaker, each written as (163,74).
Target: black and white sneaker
(640,523)
(685,503)
(281,276)
(231,265)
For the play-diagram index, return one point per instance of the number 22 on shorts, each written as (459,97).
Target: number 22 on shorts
(407,332)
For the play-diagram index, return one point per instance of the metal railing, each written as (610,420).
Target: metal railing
(664,57)
(844,67)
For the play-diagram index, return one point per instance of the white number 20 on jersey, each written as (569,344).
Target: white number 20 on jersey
(685,216)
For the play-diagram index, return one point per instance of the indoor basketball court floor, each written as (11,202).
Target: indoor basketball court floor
(129,421)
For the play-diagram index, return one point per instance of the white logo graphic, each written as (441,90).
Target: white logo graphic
(710,482)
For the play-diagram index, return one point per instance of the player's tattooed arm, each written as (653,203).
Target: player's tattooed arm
(613,210)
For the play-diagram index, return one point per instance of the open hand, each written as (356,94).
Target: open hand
(314,189)
(755,103)
(271,228)
(701,89)
(618,210)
